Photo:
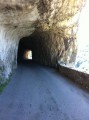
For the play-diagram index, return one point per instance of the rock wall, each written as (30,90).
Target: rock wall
(49,47)
(15,23)
(55,22)
(55,36)
(8,51)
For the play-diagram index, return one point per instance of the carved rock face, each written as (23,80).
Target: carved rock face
(20,17)
(57,20)
(51,12)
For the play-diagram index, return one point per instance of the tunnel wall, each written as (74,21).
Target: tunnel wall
(16,21)
(48,47)
(8,52)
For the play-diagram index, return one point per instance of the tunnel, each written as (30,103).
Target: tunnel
(38,51)
(46,48)
(43,28)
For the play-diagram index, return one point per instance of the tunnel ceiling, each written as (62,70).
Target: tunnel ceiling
(52,25)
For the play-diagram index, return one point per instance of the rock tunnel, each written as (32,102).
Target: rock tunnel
(47,27)
(48,49)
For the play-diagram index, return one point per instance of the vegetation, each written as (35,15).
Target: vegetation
(3,86)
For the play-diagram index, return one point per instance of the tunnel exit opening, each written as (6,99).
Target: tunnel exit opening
(25,52)
(27,55)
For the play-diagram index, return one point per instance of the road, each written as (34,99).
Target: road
(41,93)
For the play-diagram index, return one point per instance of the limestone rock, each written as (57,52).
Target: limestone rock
(55,23)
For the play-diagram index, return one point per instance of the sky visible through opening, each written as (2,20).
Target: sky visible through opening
(82,61)
(28,55)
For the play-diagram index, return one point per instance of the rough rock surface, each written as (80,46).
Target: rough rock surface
(48,47)
(56,19)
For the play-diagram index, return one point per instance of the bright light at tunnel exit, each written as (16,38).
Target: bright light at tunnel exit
(28,55)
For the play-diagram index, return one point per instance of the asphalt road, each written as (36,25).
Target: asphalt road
(41,93)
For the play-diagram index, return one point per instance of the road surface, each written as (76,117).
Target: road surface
(40,93)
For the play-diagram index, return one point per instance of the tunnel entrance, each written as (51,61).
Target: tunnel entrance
(47,48)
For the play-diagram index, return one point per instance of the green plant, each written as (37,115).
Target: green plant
(2,81)
(2,87)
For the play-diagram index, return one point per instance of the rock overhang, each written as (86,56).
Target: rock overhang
(55,24)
